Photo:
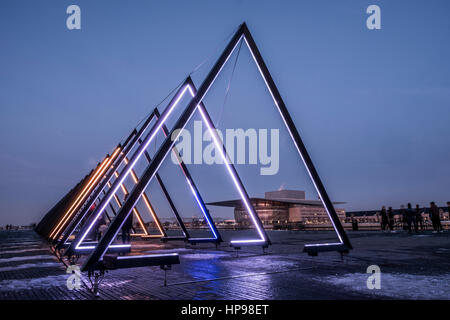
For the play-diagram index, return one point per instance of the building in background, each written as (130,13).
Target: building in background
(284,209)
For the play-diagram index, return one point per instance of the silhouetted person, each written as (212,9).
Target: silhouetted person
(404,218)
(354,223)
(410,218)
(419,220)
(435,218)
(390,215)
(126,229)
(384,218)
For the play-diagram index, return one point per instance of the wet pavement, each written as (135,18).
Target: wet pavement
(412,267)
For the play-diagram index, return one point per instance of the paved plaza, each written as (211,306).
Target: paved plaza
(412,267)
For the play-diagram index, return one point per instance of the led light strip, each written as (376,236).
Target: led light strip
(135,210)
(136,213)
(202,208)
(292,137)
(226,160)
(152,212)
(127,148)
(193,104)
(131,165)
(106,163)
(232,174)
(106,243)
(190,183)
(263,238)
(149,207)
(94,176)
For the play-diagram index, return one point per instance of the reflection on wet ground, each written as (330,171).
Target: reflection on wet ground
(412,267)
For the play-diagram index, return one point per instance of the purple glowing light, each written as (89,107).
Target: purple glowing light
(290,133)
(131,164)
(216,142)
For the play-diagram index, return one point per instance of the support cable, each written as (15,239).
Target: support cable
(228,86)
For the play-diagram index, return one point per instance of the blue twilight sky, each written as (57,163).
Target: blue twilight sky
(373,106)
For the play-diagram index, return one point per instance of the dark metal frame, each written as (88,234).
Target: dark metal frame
(70,210)
(344,245)
(242,33)
(129,143)
(50,219)
(73,212)
(217,239)
(162,152)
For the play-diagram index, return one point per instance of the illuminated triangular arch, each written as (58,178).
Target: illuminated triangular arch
(77,245)
(196,102)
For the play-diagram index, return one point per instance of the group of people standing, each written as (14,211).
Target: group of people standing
(412,219)
(387,218)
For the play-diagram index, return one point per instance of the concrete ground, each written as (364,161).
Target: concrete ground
(412,267)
